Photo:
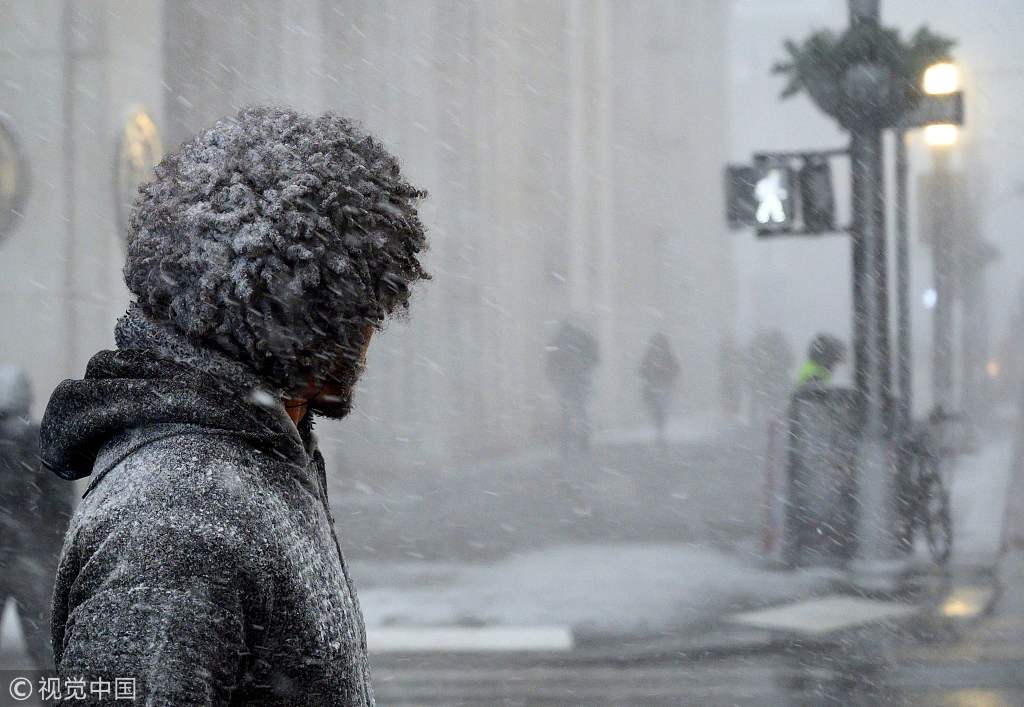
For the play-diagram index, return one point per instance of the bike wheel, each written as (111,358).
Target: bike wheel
(938,526)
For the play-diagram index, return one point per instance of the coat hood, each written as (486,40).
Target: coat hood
(156,376)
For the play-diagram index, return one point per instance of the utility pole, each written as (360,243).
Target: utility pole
(866,84)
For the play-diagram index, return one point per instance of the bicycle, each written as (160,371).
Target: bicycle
(924,498)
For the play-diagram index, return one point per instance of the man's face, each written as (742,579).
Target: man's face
(334,398)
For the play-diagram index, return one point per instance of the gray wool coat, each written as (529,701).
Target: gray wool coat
(203,559)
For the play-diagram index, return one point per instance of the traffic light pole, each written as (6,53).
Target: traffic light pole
(876,542)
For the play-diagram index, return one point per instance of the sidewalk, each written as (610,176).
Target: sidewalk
(597,592)
(626,491)
(934,600)
(698,428)
(675,594)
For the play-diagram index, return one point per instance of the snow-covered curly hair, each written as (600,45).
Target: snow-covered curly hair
(277,238)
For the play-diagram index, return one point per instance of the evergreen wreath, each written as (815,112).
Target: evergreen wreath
(820,64)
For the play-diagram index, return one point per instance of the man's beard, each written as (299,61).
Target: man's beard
(334,401)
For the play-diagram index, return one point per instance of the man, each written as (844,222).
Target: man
(571,359)
(659,371)
(34,510)
(825,353)
(203,560)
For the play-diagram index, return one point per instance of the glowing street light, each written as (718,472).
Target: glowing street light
(941,79)
(941,135)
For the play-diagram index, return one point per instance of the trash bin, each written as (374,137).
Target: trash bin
(824,425)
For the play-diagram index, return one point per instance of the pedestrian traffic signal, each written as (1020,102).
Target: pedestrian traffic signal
(760,196)
(782,194)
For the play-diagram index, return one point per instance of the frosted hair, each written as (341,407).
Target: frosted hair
(277,238)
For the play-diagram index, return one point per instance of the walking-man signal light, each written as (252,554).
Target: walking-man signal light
(776,197)
(772,194)
(761,196)
(782,194)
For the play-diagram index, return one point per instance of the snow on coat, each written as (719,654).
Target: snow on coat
(203,559)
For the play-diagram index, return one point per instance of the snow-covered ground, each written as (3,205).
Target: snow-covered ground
(632,589)
(594,589)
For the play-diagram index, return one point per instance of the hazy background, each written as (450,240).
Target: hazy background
(573,151)
(800,285)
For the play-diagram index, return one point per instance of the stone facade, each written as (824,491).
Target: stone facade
(572,150)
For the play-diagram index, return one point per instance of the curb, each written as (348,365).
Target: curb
(713,645)
(949,609)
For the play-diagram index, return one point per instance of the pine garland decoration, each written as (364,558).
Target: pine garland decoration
(820,64)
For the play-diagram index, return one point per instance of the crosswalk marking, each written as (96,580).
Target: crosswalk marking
(433,639)
(824,615)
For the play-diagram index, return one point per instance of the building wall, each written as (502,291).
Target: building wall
(572,151)
(71,72)
(668,141)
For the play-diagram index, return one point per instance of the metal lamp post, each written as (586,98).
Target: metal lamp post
(942,79)
(869,97)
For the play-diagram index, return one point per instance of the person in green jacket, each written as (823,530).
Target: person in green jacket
(824,354)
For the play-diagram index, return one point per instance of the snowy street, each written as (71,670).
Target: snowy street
(599,591)
(703,488)
(960,646)
(658,607)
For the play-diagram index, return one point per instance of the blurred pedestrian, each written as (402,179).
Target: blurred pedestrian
(35,507)
(571,359)
(770,359)
(659,371)
(824,355)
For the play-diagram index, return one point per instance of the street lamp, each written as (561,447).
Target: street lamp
(941,79)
